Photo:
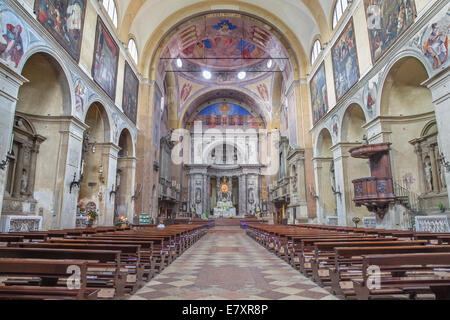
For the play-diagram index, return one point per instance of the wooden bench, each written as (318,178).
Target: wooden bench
(349,263)
(48,273)
(130,256)
(104,267)
(406,281)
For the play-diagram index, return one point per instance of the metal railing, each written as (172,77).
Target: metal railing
(411,201)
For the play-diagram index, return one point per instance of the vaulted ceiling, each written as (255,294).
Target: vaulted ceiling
(145,19)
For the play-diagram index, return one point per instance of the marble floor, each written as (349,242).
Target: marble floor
(226,264)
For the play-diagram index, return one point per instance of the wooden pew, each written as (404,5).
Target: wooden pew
(104,270)
(406,282)
(349,263)
(146,251)
(130,258)
(48,273)
(324,254)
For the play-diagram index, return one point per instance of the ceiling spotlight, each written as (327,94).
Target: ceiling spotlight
(207,74)
(269,64)
(179,63)
(242,75)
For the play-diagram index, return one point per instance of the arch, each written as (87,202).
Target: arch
(126,144)
(159,37)
(429,128)
(323,144)
(48,70)
(390,69)
(352,121)
(100,116)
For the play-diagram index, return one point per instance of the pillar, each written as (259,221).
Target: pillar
(10,83)
(440,90)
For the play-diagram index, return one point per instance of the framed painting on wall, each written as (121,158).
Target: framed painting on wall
(106,60)
(130,93)
(386,21)
(345,61)
(64,20)
(319,94)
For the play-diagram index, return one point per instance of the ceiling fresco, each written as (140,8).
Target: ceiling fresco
(224,44)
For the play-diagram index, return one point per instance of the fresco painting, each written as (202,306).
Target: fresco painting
(64,19)
(13,40)
(435,41)
(226,114)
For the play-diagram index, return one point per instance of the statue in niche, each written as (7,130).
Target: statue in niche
(332,177)
(442,176)
(198,196)
(429,175)
(24,182)
(86,142)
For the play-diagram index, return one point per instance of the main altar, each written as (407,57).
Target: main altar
(224,207)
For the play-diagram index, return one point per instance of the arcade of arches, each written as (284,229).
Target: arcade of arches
(223,109)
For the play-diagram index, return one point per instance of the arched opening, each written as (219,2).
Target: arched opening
(352,135)
(407,109)
(325,177)
(33,179)
(124,182)
(95,163)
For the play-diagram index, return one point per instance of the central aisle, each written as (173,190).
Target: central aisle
(227,264)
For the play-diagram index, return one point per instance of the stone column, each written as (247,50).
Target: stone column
(422,182)
(440,90)
(65,203)
(242,195)
(127,180)
(434,169)
(10,83)
(18,173)
(341,154)
(110,153)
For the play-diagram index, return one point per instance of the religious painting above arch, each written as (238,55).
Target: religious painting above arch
(226,114)
(130,93)
(14,39)
(64,20)
(319,94)
(106,60)
(435,41)
(345,61)
(387,21)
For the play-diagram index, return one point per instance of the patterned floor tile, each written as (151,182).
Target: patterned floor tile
(228,265)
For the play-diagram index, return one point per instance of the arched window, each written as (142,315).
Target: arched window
(111,8)
(316,50)
(339,9)
(132,49)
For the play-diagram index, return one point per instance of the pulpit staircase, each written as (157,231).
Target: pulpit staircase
(409,200)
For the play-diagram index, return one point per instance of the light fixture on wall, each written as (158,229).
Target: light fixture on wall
(269,64)
(94,147)
(241,75)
